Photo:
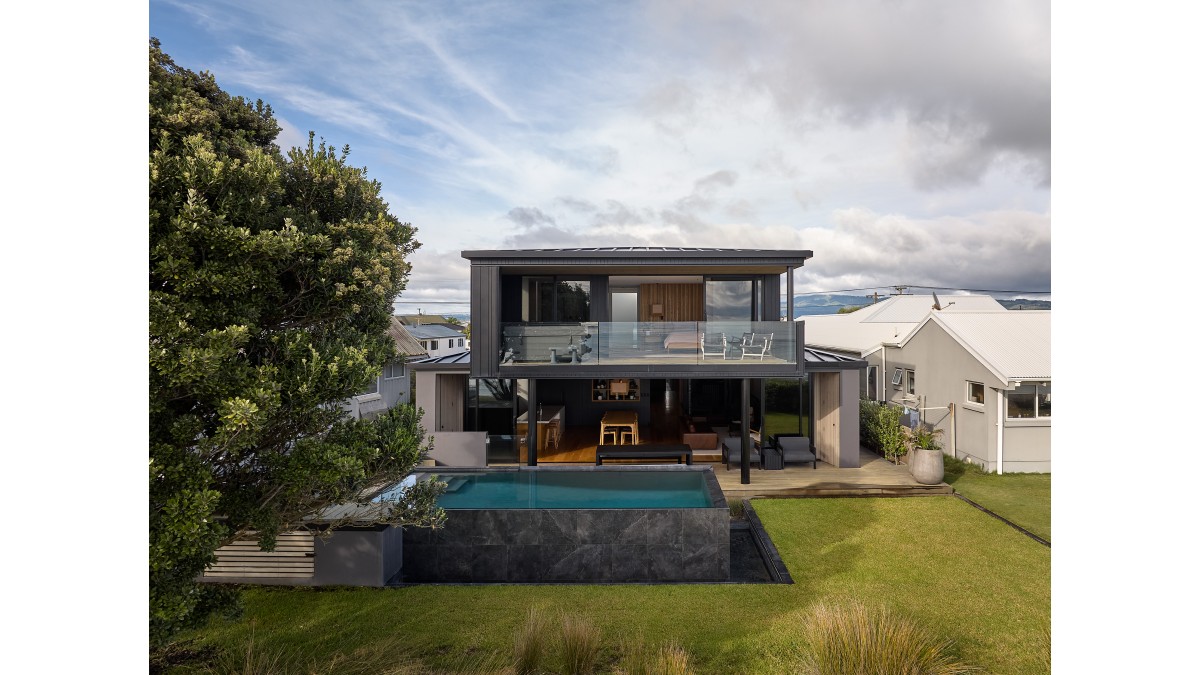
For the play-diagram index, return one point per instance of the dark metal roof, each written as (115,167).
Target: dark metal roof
(461,359)
(637,252)
(817,359)
(641,260)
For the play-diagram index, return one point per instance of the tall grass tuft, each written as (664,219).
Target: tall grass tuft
(529,650)
(580,645)
(853,640)
(637,658)
(673,660)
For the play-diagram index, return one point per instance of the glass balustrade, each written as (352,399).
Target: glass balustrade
(666,342)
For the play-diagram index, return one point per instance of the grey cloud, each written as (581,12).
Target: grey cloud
(577,205)
(529,216)
(973,77)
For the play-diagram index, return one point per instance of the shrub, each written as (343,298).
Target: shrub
(853,640)
(880,428)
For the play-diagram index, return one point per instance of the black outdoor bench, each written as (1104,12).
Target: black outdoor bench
(679,453)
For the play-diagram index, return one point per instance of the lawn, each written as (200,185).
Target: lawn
(964,574)
(1023,498)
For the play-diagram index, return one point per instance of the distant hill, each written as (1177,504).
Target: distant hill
(1024,303)
(813,305)
(816,305)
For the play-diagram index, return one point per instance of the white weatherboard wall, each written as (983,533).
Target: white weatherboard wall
(943,367)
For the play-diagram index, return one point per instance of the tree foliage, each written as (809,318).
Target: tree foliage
(272,277)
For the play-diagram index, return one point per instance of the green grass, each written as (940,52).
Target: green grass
(784,423)
(964,575)
(1023,498)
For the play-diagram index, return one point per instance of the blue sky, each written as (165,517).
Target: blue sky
(901,142)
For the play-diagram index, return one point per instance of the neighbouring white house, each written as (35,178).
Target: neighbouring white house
(392,387)
(439,339)
(973,369)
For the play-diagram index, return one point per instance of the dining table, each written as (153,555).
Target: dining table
(618,421)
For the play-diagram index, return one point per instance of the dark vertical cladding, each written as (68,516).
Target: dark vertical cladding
(771,294)
(485,320)
(599,306)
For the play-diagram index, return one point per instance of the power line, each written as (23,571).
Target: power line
(933,288)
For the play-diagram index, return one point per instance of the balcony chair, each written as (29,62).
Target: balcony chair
(794,448)
(731,451)
(759,345)
(713,345)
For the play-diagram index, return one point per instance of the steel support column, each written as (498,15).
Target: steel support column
(746,446)
(531,422)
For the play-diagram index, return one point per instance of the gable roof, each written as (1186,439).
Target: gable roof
(888,321)
(1015,346)
(406,344)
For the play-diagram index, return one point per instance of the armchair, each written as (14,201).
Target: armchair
(731,451)
(794,448)
(758,345)
(713,344)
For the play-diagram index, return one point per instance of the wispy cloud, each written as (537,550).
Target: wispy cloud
(857,129)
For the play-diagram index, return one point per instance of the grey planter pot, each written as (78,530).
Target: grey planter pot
(926,466)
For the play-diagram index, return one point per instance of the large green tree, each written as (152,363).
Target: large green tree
(272,277)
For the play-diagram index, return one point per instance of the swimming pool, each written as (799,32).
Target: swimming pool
(574,524)
(576,490)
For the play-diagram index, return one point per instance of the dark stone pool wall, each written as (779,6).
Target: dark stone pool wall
(574,545)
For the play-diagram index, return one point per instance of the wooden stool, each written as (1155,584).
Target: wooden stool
(605,434)
(627,435)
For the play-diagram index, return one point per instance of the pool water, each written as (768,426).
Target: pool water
(576,490)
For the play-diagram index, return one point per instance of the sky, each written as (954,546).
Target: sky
(901,142)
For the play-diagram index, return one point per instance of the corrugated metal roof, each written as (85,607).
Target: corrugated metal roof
(890,321)
(425,332)
(1013,345)
(814,356)
(405,343)
(914,308)
(461,358)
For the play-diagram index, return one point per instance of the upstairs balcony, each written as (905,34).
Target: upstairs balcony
(671,345)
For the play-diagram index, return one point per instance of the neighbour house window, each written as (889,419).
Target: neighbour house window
(460,342)
(393,370)
(873,383)
(911,386)
(433,344)
(975,392)
(1029,401)
(373,387)
(897,377)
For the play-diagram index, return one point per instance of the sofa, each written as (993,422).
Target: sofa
(699,436)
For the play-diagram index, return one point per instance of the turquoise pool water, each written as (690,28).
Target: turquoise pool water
(576,490)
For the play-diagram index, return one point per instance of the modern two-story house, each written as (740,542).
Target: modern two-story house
(629,346)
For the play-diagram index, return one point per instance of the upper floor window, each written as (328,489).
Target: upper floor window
(910,385)
(460,342)
(975,392)
(559,300)
(1029,401)
(898,377)
(433,344)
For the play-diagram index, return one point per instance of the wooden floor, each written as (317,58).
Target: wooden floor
(875,475)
